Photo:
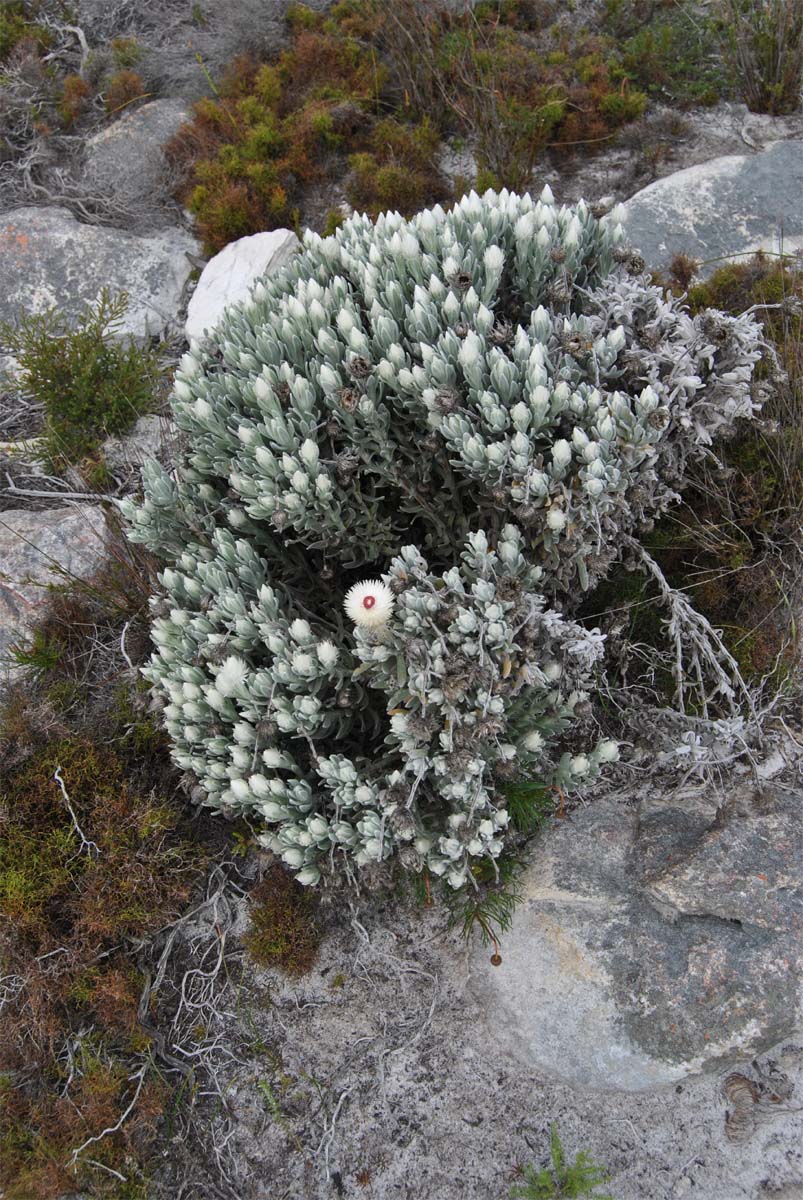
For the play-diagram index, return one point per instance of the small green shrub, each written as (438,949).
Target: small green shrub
(126,53)
(90,384)
(122,89)
(562,1180)
(398,170)
(16,27)
(764,41)
(674,54)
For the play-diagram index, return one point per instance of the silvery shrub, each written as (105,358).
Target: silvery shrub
(465,412)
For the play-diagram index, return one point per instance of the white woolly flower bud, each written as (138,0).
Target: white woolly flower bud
(494,258)
(303,663)
(533,742)
(572,234)
(469,354)
(189,365)
(259,786)
(556,519)
(561,453)
(607,751)
(230,679)
(328,653)
(369,604)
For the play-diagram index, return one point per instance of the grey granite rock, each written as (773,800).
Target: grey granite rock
(655,942)
(33,545)
(732,205)
(150,437)
(125,160)
(48,258)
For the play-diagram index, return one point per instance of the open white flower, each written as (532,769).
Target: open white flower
(369,604)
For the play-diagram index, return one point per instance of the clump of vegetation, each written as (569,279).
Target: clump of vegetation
(282,927)
(733,545)
(273,130)
(90,382)
(122,89)
(100,852)
(562,1180)
(457,424)
(376,88)
(17,27)
(74,96)
(396,171)
(92,859)
(675,53)
(498,74)
(764,41)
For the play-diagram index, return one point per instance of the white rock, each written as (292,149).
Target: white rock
(229,277)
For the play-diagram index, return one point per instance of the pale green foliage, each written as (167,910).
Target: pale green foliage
(562,1180)
(474,406)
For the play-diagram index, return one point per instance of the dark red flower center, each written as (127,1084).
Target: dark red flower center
(369,601)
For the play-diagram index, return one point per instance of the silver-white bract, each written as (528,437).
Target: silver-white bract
(473,405)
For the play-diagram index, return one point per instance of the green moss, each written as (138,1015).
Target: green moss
(282,931)
(140,731)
